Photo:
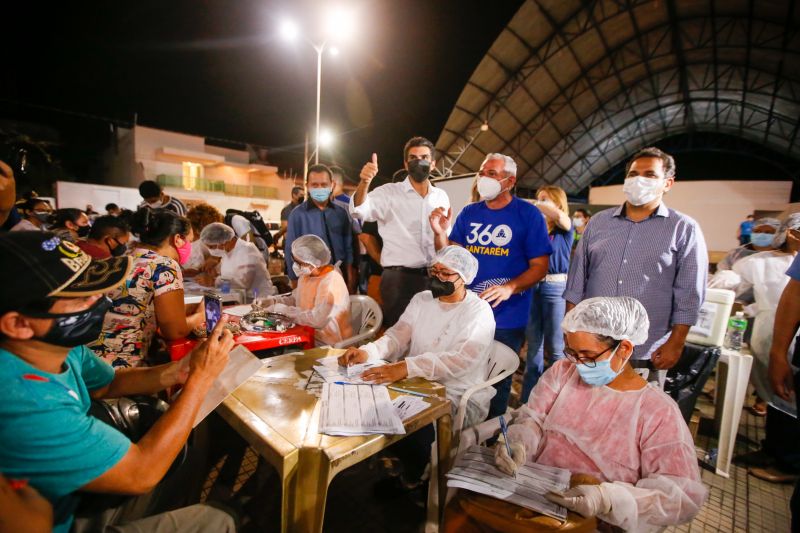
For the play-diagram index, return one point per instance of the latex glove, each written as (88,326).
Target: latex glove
(586,500)
(264,302)
(283,309)
(506,464)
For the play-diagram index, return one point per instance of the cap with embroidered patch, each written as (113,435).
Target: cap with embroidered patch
(37,265)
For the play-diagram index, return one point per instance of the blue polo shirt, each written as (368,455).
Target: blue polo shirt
(332,225)
(46,434)
(503,241)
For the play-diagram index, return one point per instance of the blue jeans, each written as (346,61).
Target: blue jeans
(513,338)
(544,332)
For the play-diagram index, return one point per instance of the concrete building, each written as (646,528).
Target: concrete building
(192,169)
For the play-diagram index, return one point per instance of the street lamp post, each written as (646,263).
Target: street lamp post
(319,49)
(340,23)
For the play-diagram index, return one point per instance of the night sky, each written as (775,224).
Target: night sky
(219,69)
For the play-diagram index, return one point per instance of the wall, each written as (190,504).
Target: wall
(718,206)
(458,189)
(148,140)
(120,167)
(234,156)
(71,194)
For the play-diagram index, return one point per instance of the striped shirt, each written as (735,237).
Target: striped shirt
(661,261)
(174,205)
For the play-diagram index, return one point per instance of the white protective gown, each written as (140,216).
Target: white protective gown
(198,256)
(636,442)
(246,268)
(321,302)
(765,274)
(444,342)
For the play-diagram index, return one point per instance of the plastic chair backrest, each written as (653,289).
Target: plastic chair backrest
(364,313)
(501,359)
(366,318)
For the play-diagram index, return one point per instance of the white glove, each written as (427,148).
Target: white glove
(282,309)
(264,302)
(586,500)
(508,464)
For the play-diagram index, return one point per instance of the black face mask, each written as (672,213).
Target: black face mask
(419,169)
(118,250)
(441,288)
(75,329)
(301,199)
(83,231)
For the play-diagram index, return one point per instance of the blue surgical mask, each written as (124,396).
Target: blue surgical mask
(761,239)
(600,374)
(321,194)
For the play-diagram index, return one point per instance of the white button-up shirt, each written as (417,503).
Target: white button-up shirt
(402,217)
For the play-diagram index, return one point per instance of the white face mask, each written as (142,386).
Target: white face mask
(640,190)
(301,271)
(577,222)
(217,252)
(489,188)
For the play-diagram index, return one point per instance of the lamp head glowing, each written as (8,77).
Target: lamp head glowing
(289,30)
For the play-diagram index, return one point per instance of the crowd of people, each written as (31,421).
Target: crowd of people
(598,306)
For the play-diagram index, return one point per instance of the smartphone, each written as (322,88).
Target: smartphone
(213,309)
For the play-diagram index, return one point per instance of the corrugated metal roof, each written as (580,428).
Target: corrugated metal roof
(569,88)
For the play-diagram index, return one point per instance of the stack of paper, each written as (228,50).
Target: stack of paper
(242,364)
(330,370)
(358,410)
(475,470)
(408,406)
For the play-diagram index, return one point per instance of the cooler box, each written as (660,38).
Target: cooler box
(713,320)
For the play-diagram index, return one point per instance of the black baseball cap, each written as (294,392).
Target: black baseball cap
(38,264)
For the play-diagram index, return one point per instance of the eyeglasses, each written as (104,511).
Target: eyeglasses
(591,362)
(442,275)
(491,173)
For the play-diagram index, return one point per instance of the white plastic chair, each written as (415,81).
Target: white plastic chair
(366,318)
(503,362)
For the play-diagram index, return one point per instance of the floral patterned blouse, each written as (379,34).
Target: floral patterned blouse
(130,324)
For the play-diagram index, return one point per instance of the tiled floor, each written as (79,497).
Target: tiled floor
(741,503)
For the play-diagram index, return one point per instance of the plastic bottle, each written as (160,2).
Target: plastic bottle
(734,336)
(224,285)
(710,457)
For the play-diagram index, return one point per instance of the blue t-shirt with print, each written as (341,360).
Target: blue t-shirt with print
(746,227)
(46,434)
(504,241)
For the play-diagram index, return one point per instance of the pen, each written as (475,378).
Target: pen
(406,391)
(504,429)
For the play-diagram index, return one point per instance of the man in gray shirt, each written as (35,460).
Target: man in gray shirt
(648,251)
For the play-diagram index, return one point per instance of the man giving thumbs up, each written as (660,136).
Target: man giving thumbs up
(401,211)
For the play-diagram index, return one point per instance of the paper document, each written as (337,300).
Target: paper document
(475,470)
(408,406)
(242,364)
(330,370)
(358,410)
